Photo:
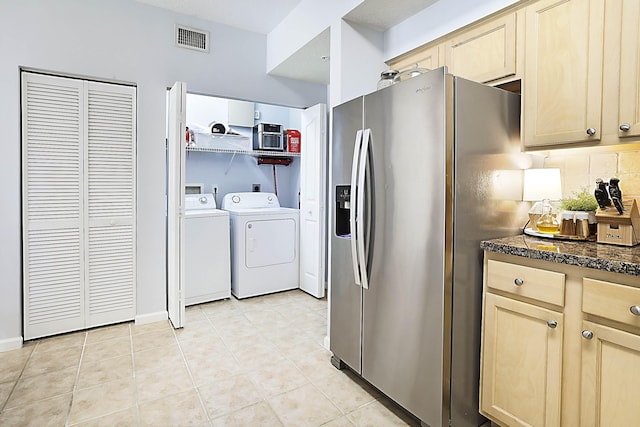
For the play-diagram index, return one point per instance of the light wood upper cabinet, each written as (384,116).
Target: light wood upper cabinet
(426,57)
(629,99)
(610,377)
(521,368)
(563,72)
(484,53)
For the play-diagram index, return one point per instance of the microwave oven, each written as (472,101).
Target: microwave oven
(268,136)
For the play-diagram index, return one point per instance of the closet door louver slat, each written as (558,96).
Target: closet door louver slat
(110,195)
(53,126)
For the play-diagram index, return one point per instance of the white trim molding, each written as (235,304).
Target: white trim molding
(143,319)
(10,344)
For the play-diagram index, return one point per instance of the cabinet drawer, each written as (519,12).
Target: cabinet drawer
(611,301)
(540,285)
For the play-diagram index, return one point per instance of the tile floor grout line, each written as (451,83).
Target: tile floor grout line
(75,382)
(264,397)
(135,383)
(193,381)
(26,362)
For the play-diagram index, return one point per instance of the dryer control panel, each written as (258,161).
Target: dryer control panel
(250,200)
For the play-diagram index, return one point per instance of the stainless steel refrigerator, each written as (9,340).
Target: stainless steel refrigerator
(413,194)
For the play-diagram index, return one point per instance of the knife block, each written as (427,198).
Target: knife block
(616,229)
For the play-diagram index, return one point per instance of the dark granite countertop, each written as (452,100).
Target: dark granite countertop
(617,259)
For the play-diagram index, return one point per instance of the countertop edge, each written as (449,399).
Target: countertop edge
(507,248)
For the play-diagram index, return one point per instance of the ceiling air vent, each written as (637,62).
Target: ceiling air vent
(192,39)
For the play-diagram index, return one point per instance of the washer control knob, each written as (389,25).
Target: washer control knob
(269,198)
(235,199)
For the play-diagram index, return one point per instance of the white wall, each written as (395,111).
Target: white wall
(121,40)
(356,61)
(435,21)
(305,22)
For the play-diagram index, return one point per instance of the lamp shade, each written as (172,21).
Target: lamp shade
(540,184)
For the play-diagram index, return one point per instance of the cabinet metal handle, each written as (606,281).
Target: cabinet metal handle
(552,324)
(635,310)
(587,334)
(591,131)
(518,282)
(625,127)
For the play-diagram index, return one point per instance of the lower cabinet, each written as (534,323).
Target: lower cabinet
(560,344)
(522,363)
(610,376)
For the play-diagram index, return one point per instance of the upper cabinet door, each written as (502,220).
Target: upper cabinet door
(562,91)
(485,53)
(629,113)
(428,58)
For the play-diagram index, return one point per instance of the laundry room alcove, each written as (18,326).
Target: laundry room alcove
(225,162)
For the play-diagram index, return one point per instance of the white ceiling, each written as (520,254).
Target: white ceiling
(384,14)
(258,16)
(262,16)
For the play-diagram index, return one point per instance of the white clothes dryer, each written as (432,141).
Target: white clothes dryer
(265,241)
(207,250)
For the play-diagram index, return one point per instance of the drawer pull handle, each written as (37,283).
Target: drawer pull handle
(518,282)
(591,131)
(625,127)
(587,334)
(552,324)
(635,309)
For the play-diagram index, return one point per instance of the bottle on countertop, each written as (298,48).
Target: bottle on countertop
(547,223)
(583,229)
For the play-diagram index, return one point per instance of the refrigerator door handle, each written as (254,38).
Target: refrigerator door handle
(362,260)
(354,202)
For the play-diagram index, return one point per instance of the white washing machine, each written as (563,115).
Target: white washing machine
(207,250)
(265,242)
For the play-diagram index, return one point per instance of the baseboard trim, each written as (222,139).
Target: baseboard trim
(143,319)
(10,344)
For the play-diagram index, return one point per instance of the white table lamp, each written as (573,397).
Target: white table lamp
(541,186)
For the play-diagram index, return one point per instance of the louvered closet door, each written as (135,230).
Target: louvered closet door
(110,201)
(52,168)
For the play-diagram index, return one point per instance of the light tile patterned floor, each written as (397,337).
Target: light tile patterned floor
(254,362)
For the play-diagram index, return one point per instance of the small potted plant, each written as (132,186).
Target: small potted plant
(583,204)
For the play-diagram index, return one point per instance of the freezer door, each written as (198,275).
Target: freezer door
(345,296)
(402,347)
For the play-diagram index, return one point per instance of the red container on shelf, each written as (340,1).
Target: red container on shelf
(293,140)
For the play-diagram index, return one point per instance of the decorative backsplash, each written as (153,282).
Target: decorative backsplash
(579,168)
